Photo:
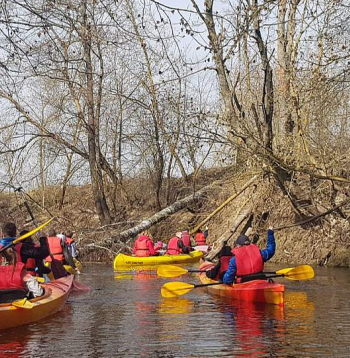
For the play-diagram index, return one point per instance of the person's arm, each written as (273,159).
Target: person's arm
(270,246)
(38,253)
(151,247)
(230,274)
(33,285)
(212,273)
(181,246)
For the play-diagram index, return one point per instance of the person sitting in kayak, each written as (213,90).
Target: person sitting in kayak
(15,281)
(144,247)
(248,259)
(32,254)
(219,270)
(186,238)
(200,238)
(176,246)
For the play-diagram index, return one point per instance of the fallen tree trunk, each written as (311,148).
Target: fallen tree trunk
(156,218)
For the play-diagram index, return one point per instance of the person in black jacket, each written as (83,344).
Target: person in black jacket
(30,251)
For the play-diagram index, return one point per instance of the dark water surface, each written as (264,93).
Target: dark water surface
(127,317)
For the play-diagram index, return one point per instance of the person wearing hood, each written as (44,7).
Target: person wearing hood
(219,270)
(144,247)
(248,259)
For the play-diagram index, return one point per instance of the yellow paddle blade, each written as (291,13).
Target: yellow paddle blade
(40,279)
(303,272)
(284,271)
(23,303)
(170,271)
(174,289)
(30,233)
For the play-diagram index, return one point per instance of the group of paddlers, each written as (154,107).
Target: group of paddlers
(181,243)
(22,262)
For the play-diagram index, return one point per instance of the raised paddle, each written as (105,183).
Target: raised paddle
(14,242)
(174,289)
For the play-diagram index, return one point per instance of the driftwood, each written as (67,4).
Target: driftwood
(242,215)
(202,223)
(129,234)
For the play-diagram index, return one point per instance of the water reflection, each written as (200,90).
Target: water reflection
(175,305)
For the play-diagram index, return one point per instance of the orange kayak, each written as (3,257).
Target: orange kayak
(254,291)
(56,294)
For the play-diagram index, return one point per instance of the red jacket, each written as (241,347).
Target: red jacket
(143,247)
(173,248)
(200,239)
(186,239)
(12,278)
(248,260)
(56,249)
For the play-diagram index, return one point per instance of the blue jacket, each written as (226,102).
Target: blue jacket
(266,254)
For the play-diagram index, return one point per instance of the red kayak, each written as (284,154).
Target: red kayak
(253,291)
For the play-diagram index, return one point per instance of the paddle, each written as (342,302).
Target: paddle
(14,242)
(174,289)
(173,271)
(23,303)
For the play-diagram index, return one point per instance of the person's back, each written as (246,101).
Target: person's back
(15,281)
(186,238)
(173,245)
(55,247)
(248,258)
(143,247)
(218,272)
(200,238)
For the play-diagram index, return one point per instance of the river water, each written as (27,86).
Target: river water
(127,317)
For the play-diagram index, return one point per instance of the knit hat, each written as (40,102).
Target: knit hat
(242,240)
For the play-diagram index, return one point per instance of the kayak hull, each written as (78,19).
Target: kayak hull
(56,294)
(261,291)
(125,262)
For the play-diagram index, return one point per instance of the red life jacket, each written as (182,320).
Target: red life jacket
(224,262)
(69,240)
(55,248)
(141,248)
(186,239)
(12,280)
(248,260)
(18,250)
(200,239)
(173,249)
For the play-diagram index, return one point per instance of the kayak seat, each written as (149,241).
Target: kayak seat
(7,296)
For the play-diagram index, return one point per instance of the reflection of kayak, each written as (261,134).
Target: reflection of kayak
(254,291)
(56,294)
(125,262)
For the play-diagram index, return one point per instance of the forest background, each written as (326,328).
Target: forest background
(122,116)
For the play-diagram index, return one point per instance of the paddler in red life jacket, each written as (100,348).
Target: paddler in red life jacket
(248,259)
(55,247)
(219,270)
(176,245)
(33,254)
(15,281)
(8,234)
(186,239)
(200,238)
(144,247)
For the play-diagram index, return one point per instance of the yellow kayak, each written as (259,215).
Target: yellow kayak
(125,263)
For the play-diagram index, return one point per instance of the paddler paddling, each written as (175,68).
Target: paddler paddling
(248,259)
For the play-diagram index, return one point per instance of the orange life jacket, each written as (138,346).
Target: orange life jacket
(11,279)
(248,260)
(141,248)
(55,248)
(186,239)
(173,249)
(200,239)
(69,240)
